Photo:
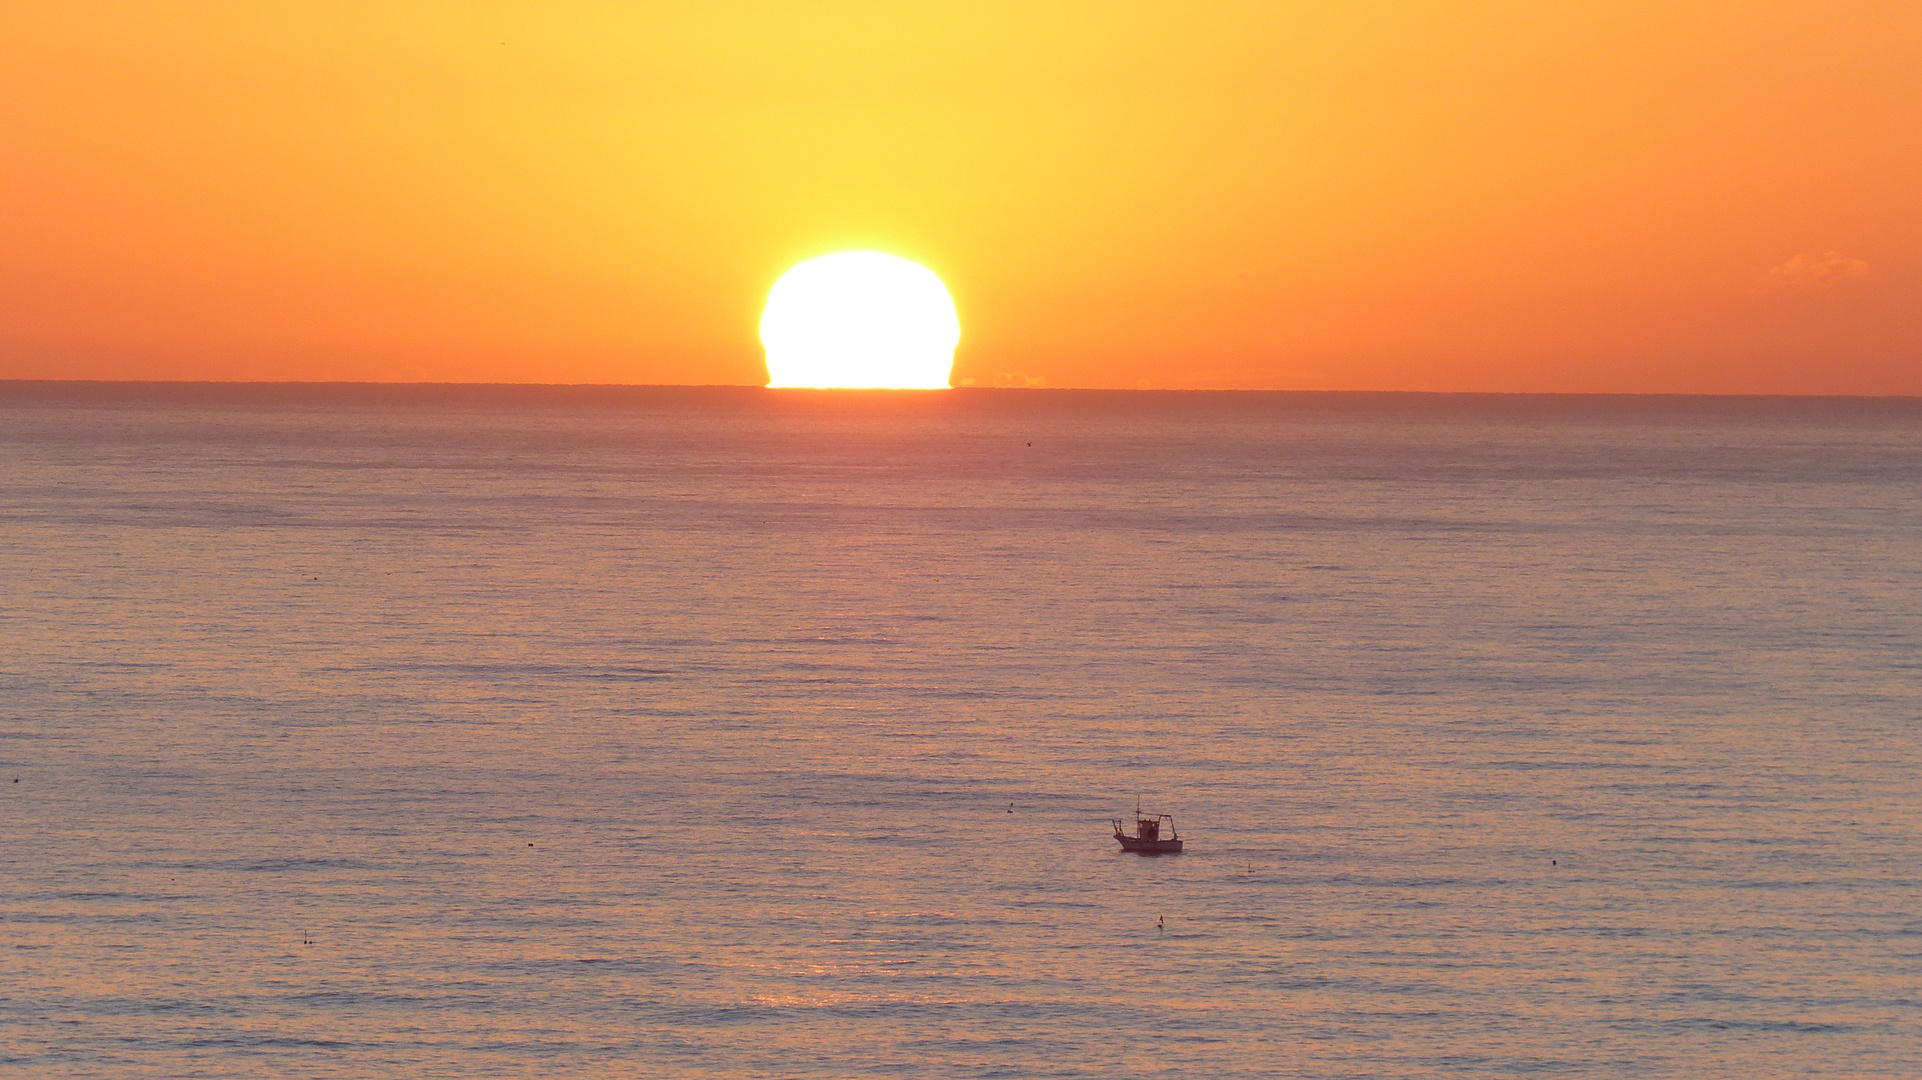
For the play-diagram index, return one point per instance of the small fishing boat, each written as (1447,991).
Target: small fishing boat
(1147,839)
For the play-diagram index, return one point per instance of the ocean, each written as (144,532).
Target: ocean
(354,731)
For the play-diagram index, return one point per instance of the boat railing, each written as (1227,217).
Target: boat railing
(1148,828)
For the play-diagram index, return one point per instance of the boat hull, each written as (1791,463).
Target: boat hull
(1149,847)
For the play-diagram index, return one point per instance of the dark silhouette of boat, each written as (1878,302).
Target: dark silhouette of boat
(1147,839)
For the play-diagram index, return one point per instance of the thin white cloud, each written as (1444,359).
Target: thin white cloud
(1811,269)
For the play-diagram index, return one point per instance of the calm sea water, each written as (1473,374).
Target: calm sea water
(703,733)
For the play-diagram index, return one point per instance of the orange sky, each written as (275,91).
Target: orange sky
(1701,197)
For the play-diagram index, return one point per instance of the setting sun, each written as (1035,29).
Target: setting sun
(862,320)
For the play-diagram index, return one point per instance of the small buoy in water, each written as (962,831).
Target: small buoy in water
(1158,925)
(1551,862)
(1010,807)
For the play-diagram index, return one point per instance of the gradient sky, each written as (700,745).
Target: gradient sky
(1717,197)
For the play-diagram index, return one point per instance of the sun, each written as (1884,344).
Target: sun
(860,319)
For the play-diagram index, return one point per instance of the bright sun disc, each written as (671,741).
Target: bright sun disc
(860,319)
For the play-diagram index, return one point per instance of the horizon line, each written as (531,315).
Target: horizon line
(1324,391)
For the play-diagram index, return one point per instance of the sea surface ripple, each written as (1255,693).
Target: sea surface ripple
(698,733)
